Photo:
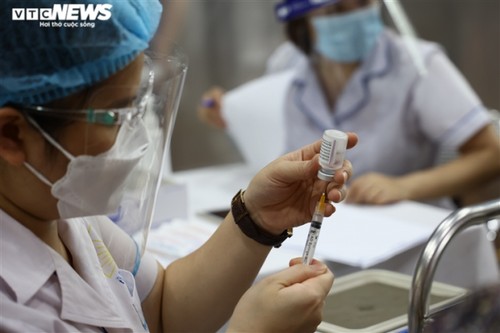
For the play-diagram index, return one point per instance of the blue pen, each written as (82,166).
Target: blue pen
(208,103)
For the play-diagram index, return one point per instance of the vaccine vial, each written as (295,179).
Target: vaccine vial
(331,156)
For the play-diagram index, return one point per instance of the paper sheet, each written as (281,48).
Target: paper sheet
(254,113)
(171,202)
(364,236)
(178,238)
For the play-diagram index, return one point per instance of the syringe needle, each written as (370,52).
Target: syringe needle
(314,229)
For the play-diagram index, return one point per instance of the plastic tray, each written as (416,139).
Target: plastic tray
(373,301)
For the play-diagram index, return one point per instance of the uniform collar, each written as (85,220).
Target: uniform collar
(27,267)
(86,296)
(377,65)
(22,257)
(308,97)
(308,90)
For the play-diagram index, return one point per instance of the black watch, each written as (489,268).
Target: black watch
(250,229)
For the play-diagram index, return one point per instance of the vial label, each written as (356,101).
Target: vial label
(327,151)
(331,153)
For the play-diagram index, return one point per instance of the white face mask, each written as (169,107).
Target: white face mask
(93,185)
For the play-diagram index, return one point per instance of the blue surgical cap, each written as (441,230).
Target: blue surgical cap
(44,57)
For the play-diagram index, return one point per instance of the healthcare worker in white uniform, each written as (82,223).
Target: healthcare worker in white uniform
(85,119)
(401,95)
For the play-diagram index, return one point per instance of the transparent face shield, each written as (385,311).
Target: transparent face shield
(116,144)
(402,24)
(346,33)
(136,210)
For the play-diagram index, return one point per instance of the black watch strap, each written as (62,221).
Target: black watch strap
(248,226)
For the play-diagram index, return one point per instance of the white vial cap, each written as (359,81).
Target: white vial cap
(332,153)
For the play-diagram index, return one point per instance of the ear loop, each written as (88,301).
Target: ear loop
(52,142)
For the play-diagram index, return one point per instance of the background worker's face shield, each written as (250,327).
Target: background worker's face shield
(116,145)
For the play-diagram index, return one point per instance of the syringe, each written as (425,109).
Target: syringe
(314,229)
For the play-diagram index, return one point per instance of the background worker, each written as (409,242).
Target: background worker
(361,76)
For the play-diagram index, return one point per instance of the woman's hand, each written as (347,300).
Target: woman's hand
(377,189)
(289,301)
(209,110)
(284,193)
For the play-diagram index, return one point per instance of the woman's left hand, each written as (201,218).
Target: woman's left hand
(377,189)
(298,297)
(284,193)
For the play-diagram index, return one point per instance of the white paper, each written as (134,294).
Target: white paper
(277,260)
(171,202)
(212,188)
(254,113)
(364,236)
(177,238)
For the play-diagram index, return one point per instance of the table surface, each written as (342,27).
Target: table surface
(468,262)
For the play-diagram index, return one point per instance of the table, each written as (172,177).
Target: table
(469,261)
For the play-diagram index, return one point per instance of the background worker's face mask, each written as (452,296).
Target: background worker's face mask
(335,35)
(126,177)
(347,38)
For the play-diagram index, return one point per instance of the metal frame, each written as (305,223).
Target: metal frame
(459,220)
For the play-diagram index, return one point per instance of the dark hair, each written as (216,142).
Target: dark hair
(300,33)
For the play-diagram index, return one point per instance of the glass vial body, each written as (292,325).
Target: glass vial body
(332,153)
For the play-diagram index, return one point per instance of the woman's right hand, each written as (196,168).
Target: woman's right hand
(284,193)
(209,110)
(289,301)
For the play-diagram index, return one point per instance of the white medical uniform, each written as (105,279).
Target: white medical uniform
(402,119)
(284,57)
(41,292)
